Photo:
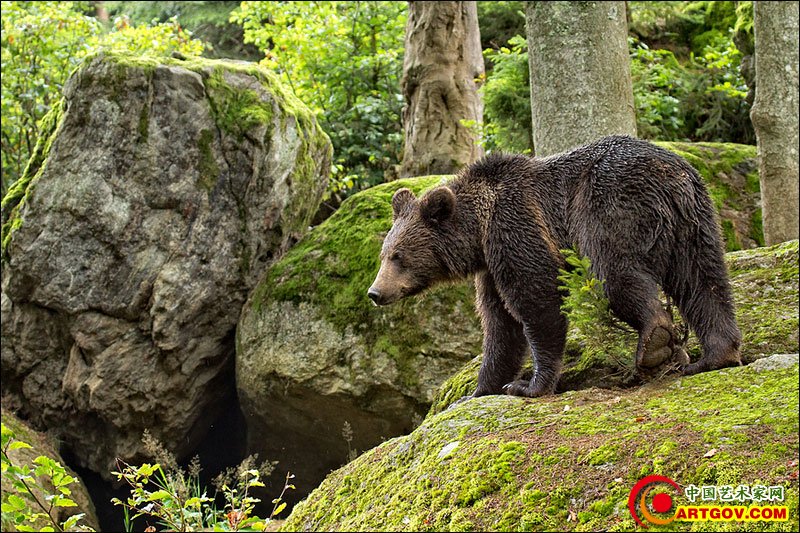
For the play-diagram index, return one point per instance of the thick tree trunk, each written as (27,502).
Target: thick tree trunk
(581,86)
(774,116)
(442,62)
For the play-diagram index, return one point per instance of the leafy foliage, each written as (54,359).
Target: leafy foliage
(507,99)
(174,497)
(684,65)
(207,20)
(585,303)
(687,79)
(42,43)
(31,504)
(344,60)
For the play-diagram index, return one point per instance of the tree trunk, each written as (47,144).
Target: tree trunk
(442,64)
(581,86)
(774,116)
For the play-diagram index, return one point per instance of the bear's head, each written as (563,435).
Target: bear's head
(415,251)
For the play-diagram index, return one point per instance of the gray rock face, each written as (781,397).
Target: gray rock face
(775,362)
(166,190)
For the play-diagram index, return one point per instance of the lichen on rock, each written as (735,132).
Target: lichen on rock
(160,192)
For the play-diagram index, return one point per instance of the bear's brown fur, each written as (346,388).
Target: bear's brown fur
(640,213)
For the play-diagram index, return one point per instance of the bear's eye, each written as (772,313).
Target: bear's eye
(396,256)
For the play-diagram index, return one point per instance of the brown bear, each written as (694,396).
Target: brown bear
(639,212)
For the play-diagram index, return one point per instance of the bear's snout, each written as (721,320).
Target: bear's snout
(374,295)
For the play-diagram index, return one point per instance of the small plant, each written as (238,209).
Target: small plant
(347,435)
(585,303)
(31,505)
(174,497)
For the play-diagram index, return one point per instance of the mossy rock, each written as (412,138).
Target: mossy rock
(159,191)
(314,353)
(309,338)
(730,171)
(568,462)
(42,444)
(765,291)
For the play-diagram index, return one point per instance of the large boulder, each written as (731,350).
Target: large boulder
(159,191)
(569,462)
(314,354)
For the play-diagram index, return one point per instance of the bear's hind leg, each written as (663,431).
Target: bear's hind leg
(633,297)
(702,293)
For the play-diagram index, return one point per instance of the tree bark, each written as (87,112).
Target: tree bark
(442,64)
(775,118)
(581,86)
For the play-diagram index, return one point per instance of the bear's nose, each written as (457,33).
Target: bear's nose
(374,295)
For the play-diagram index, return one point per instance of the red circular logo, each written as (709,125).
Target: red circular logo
(660,503)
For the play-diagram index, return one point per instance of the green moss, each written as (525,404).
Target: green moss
(757,228)
(607,453)
(333,266)
(729,235)
(21,189)
(236,110)
(730,173)
(491,481)
(208,167)
(764,282)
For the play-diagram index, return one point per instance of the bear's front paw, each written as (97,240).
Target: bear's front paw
(523,387)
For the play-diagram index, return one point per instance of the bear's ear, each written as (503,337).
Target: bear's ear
(401,199)
(438,205)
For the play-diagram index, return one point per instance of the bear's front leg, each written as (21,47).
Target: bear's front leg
(544,327)
(504,343)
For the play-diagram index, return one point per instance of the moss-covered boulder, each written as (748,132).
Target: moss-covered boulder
(313,353)
(42,444)
(765,291)
(569,462)
(159,191)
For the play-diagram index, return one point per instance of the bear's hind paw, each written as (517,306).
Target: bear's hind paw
(523,387)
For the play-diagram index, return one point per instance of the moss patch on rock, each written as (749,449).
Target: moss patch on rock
(568,462)
(730,172)
(332,267)
(22,188)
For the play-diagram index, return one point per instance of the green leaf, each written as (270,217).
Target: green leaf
(159,495)
(17,503)
(64,502)
(72,521)
(278,509)
(17,444)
